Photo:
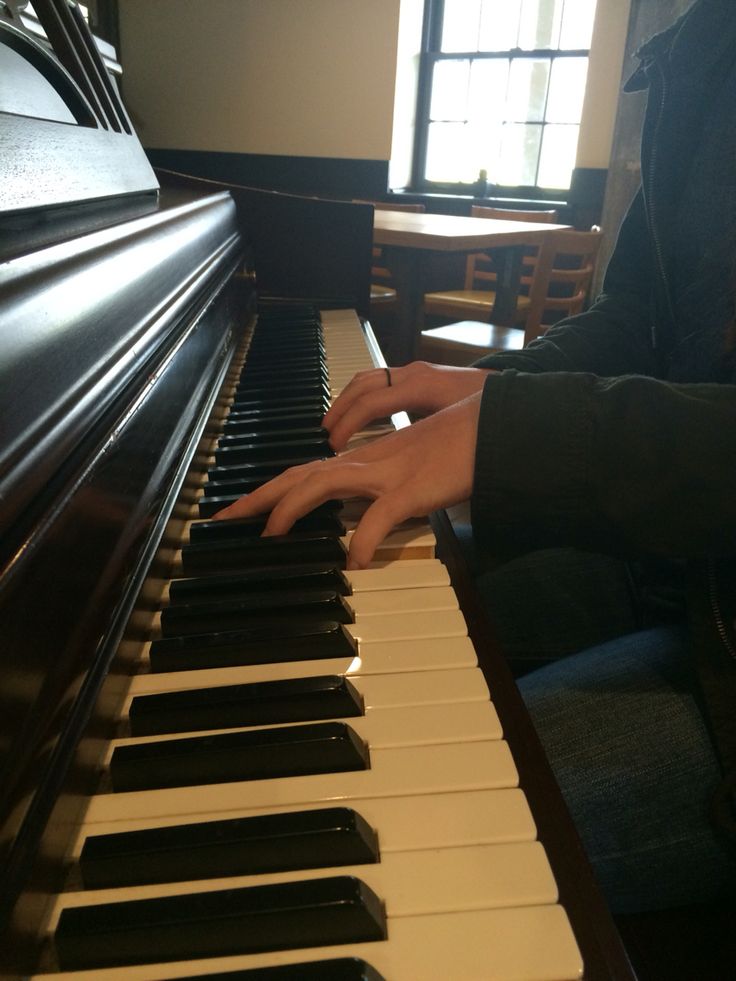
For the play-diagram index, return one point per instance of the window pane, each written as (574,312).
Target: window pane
(486,146)
(577,24)
(517,163)
(448,157)
(558,156)
(487,92)
(499,24)
(540,24)
(566,90)
(527,90)
(460,25)
(450,90)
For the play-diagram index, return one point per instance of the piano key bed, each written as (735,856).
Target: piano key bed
(309,779)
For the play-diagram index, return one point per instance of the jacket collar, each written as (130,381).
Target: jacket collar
(687,47)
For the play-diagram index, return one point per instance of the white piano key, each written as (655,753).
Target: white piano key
(523,943)
(404,574)
(393,773)
(408,626)
(412,883)
(383,601)
(413,539)
(445,820)
(377,658)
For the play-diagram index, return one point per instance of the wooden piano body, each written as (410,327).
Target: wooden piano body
(124,300)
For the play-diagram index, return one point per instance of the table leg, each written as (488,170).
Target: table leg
(508,262)
(408,269)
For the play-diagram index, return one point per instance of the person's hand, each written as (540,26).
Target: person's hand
(407,474)
(417,387)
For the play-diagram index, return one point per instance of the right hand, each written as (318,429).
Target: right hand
(417,387)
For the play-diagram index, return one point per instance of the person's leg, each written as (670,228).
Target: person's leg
(628,746)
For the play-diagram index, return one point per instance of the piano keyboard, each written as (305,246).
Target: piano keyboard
(373,741)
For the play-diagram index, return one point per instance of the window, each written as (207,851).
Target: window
(501,94)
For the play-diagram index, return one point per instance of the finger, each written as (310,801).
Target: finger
(377,521)
(364,381)
(334,480)
(264,498)
(372,405)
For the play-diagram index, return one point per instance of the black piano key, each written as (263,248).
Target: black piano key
(278,342)
(208,507)
(336,969)
(321,521)
(306,360)
(276,391)
(260,754)
(266,643)
(262,424)
(303,450)
(273,437)
(248,471)
(293,549)
(257,704)
(275,414)
(237,486)
(218,616)
(323,838)
(297,376)
(277,579)
(335,910)
(312,403)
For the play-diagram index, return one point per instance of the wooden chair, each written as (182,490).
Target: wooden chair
(564,272)
(383,292)
(477,296)
(384,298)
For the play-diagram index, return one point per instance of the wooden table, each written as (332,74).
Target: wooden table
(408,241)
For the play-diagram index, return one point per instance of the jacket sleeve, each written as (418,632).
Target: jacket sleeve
(613,337)
(628,465)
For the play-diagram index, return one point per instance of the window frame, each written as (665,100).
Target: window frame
(430,54)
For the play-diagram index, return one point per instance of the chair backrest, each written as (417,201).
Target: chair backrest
(564,272)
(479,271)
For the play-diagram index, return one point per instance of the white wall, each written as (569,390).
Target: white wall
(287,77)
(603,86)
(309,77)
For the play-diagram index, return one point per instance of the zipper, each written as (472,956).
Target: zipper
(649,201)
(715,607)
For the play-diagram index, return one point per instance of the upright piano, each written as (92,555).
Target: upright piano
(223,755)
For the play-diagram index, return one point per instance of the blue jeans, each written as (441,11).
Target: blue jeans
(614,699)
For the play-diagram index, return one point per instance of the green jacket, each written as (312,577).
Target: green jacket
(616,431)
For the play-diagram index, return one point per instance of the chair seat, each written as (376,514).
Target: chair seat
(382,294)
(475,303)
(466,341)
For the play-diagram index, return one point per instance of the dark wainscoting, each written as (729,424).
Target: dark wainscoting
(326,177)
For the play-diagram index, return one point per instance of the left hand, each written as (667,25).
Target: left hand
(410,473)
(417,387)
